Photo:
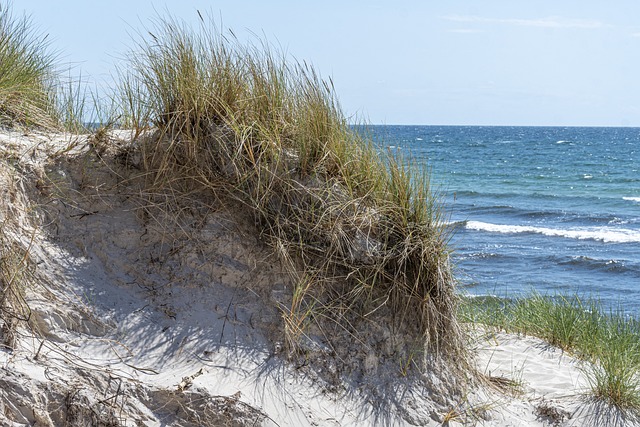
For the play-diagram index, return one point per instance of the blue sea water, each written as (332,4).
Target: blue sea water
(550,209)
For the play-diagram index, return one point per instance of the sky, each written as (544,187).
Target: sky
(539,63)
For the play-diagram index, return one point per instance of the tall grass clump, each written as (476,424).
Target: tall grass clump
(359,232)
(27,74)
(610,341)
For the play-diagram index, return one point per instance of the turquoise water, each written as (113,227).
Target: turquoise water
(550,209)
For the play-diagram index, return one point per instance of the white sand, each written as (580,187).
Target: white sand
(144,321)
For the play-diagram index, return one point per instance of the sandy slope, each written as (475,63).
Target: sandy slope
(146,317)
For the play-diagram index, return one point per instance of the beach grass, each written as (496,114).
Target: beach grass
(34,92)
(27,73)
(355,227)
(608,339)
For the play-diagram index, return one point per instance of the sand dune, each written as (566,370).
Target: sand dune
(141,316)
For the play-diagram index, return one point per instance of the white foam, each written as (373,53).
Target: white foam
(632,199)
(603,234)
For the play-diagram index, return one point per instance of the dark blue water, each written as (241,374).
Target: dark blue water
(549,209)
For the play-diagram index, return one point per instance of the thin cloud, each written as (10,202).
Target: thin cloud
(464,31)
(549,22)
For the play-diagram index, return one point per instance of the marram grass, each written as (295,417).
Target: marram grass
(610,341)
(33,92)
(26,73)
(355,228)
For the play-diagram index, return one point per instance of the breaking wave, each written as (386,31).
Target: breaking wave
(603,234)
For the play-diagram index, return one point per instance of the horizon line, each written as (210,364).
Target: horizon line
(494,125)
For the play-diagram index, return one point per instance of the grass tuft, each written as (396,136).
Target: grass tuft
(610,341)
(26,74)
(355,228)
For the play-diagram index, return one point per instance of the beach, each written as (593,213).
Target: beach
(122,339)
(207,239)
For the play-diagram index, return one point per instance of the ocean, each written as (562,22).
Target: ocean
(554,210)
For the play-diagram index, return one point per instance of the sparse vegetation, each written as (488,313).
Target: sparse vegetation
(11,293)
(610,341)
(16,268)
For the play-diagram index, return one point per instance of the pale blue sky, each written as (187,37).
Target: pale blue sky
(544,62)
